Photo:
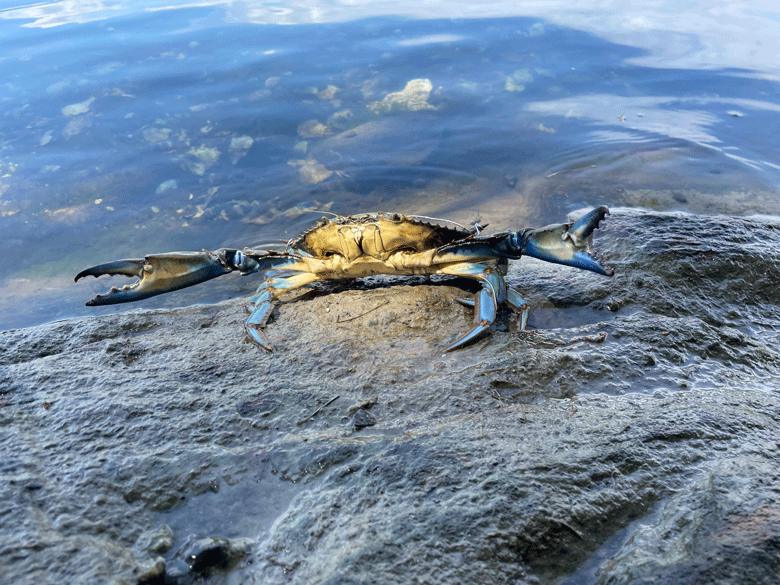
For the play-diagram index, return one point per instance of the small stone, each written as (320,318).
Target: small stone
(151,571)
(313,172)
(204,555)
(312,129)
(154,135)
(165,186)
(204,158)
(518,80)
(413,97)
(241,143)
(207,553)
(158,541)
(363,419)
(78,109)
(328,93)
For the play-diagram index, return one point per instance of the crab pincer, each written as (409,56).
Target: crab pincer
(157,273)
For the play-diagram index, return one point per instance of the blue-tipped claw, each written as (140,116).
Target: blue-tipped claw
(584,226)
(157,273)
(568,244)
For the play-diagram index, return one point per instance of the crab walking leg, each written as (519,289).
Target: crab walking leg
(513,299)
(261,307)
(518,305)
(485,302)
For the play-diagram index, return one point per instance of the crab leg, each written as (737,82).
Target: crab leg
(261,307)
(518,305)
(513,299)
(485,302)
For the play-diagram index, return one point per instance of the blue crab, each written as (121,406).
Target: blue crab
(363,245)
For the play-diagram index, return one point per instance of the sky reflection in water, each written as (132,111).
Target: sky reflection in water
(132,129)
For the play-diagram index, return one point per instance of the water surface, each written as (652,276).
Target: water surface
(153,127)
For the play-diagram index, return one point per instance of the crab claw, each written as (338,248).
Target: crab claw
(568,243)
(158,274)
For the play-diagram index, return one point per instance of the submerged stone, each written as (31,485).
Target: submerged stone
(413,97)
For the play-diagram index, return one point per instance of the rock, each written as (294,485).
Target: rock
(313,129)
(239,146)
(328,93)
(413,97)
(387,136)
(518,81)
(363,419)
(200,159)
(157,541)
(208,555)
(155,135)
(78,109)
(310,171)
(630,437)
(166,186)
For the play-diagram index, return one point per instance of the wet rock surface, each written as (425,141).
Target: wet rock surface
(631,437)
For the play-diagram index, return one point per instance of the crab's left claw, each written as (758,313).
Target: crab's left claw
(158,274)
(568,244)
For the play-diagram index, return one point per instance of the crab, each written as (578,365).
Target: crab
(364,245)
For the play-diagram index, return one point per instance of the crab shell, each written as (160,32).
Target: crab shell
(376,243)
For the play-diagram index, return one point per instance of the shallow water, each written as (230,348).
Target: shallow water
(129,130)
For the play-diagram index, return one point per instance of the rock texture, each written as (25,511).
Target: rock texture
(632,437)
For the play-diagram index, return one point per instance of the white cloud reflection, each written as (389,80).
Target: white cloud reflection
(700,34)
(645,114)
(641,116)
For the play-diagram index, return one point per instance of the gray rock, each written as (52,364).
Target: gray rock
(363,419)
(632,437)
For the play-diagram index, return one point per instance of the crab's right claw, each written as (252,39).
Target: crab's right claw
(158,274)
(568,244)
